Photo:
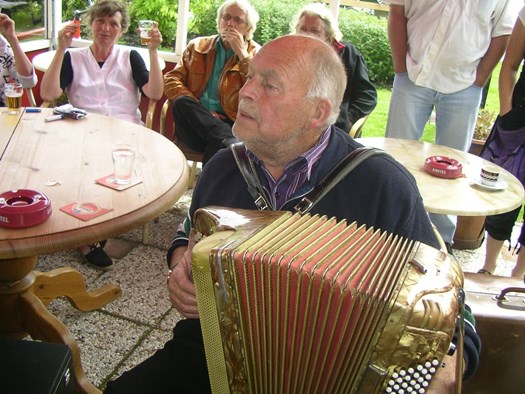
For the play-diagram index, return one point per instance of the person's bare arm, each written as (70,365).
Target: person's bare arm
(398,37)
(493,55)
(154,88)
(50,87)
(509,69)
(22,64)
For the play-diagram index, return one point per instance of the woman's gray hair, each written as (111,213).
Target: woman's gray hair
(330,25)
(329,78)
(109,8)
(252,17)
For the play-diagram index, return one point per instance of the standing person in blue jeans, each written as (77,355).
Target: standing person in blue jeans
(443,54)
(512,117)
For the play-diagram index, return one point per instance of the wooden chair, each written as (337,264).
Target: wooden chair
(191,155)
(357,128)
(30,97)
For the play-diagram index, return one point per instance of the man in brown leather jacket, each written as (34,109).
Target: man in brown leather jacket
(205,85)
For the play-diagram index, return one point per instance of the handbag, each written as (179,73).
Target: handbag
(506,148)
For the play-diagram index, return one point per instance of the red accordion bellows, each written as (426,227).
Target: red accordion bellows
(303,303)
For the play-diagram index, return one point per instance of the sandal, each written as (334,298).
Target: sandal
(482,271)
(97,257)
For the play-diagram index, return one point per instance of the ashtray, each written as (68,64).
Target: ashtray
(23,208)
(443,167)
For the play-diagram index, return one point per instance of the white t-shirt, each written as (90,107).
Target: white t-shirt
(8,72)
(448,38)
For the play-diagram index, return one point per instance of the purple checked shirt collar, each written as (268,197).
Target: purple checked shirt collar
(296,173)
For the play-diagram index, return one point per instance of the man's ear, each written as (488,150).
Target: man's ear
(322,113)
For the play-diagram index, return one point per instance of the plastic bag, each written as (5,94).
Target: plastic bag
(68,111)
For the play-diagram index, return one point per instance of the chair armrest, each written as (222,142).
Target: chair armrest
(163,115)
(152,105)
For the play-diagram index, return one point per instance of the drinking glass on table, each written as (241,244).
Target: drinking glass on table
(13,93)
(144,28)
(123,158)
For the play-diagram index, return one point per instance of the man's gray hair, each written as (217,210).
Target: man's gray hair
(330,25)
(252,17)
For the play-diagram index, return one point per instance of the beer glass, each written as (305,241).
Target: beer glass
(144,28)
(13,94)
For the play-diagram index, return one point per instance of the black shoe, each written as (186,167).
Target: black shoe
(482,271)
(97,257)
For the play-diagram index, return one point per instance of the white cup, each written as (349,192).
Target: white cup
(489,175)
(123,158)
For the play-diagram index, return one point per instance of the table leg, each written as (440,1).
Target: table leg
(42,325)
(70,283)
(24,295)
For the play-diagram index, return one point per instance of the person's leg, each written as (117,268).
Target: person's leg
(492,251)
(499,228)
(519,268)
(456,115)
(198,128)
(410,109)
(180,367)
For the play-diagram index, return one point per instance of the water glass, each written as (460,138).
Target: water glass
(123,158)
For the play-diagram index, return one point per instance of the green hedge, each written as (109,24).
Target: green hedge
(367,32)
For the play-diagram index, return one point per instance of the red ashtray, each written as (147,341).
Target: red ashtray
(443,167)
(23,208)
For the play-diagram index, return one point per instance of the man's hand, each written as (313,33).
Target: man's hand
(236,42)
(180,283)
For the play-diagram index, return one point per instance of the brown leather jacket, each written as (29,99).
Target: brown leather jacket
(190,76)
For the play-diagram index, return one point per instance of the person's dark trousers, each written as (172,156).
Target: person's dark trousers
(180,367)
(199,129)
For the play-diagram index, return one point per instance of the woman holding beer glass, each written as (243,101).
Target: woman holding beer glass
(104,78)
(15,66)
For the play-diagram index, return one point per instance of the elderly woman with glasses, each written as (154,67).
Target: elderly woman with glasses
(360,96)
(205,85)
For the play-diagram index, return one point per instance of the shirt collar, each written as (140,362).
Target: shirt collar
(306,160)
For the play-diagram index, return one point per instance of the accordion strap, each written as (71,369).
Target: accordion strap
(351,161)
(250,176)
(343,168)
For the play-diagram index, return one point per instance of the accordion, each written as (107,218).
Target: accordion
(295,303)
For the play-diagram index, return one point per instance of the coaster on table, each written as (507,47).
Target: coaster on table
(109,181)
(84,210)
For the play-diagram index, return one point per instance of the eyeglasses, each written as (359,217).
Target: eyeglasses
(236,19)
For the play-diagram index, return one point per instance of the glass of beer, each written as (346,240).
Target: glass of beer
(13,93)
(144,29)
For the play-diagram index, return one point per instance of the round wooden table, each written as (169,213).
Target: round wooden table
(460,196)
(62,160)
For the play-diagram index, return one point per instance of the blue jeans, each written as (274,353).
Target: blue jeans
(456,113)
